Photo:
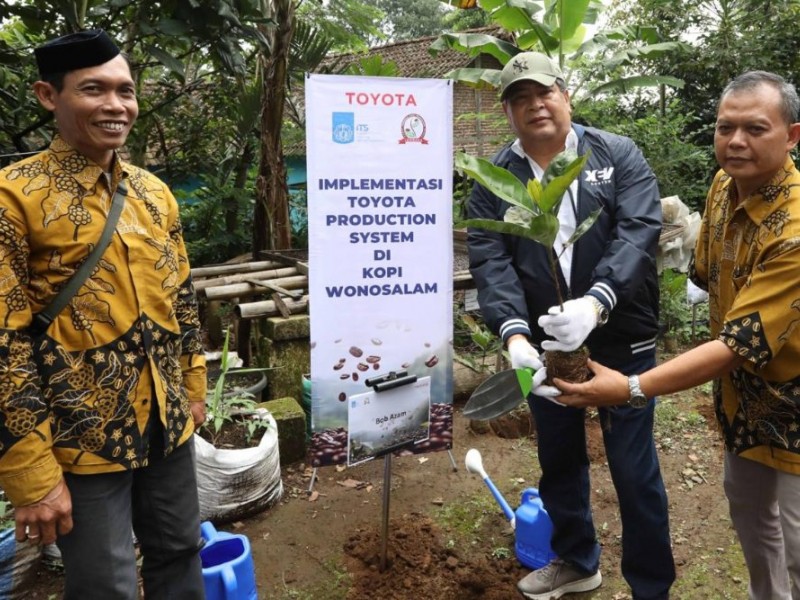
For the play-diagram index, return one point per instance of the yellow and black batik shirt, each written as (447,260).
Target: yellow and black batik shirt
(78,397)
(748,252)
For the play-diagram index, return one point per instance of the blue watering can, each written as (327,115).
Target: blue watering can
(531,523)
(228,572)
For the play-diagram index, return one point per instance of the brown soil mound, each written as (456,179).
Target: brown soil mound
(419,565)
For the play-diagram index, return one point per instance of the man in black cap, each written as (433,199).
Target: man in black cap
(102,373)
(611,307)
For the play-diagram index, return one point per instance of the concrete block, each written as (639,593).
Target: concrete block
(293,327)
(291,422)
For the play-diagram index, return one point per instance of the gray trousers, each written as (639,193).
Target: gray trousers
(160,502)
(765,509)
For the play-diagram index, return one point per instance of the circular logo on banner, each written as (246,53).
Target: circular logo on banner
(413,129)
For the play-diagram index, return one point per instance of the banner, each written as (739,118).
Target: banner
(380,170)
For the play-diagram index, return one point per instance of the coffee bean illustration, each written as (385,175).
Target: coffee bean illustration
(431,362)
(356,351)
(372,359)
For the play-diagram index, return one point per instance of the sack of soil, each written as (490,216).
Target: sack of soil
(237,483)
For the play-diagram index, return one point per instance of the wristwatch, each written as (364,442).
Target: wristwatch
(601,312)
(637,399)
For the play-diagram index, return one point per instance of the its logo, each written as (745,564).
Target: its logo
(599,176)
(413,129)
(343,127)
(519,65)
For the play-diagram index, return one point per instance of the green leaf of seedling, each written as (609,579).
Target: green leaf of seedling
(544,229)
(518,216)
(535,191)
(584,227)
(501,182)
(496,227)
(525,378)
(559,184)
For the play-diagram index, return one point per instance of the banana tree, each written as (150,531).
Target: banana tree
(533,213)
(560,29)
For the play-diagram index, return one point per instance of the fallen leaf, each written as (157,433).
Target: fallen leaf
(313,496)
(352,483)
(340,468)
(438,501)
(423,460)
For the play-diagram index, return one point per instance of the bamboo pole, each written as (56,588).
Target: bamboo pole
(245,289)
(462,280)
(203,284)
(248,267)
(267,308)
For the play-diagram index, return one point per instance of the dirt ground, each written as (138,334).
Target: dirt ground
(448,540)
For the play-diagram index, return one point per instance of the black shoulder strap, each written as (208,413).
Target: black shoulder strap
(42,320)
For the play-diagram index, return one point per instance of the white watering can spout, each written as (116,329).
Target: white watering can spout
(474,464)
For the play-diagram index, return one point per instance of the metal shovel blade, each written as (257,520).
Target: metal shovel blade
(499,394)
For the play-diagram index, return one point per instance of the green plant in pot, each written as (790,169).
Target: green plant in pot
(533,215)
(236,408)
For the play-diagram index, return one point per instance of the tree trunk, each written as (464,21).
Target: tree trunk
(271,227)
(231,208)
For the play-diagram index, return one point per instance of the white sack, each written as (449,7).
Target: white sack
(233,484)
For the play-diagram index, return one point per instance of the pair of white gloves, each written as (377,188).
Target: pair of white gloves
(570,327)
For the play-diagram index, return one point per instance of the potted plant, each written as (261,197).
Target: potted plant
(231,405)
(243,477)
(533,215)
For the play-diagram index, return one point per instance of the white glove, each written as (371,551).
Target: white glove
(545,391)
(695,294)
(523,355)
(571,326)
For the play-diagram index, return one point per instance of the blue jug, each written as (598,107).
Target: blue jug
(228,572)
(533,530)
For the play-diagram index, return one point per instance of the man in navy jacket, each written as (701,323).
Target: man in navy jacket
(611,282)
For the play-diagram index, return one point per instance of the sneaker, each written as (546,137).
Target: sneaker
(555,580)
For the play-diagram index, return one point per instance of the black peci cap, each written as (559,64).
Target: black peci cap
(75,51)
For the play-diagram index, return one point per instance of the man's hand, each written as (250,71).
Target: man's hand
(606,388)
(522,354)
(545,391)
(198,413)
(41,521)
(571,326)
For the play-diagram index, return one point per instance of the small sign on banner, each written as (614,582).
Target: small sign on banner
(394,419)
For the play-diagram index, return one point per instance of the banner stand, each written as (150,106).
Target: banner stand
(382,383)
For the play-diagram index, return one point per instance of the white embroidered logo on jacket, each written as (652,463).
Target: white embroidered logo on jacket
(599,176)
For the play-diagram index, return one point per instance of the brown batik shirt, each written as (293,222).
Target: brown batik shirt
(748,253)
(79,397)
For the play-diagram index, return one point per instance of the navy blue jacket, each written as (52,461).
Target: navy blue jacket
(614,261)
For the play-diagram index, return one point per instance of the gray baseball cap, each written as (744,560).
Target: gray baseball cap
(532,66)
